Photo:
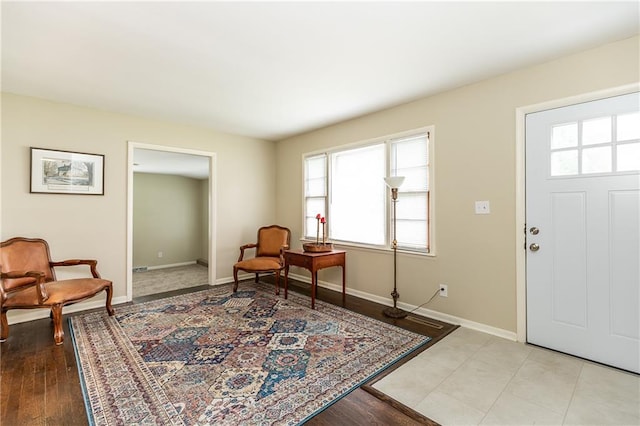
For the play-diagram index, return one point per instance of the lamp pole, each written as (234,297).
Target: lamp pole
(394,312)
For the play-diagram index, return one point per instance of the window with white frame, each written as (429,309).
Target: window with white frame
(346,186)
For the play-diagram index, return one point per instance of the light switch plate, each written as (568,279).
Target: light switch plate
(483,207)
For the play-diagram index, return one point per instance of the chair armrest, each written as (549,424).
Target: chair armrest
(282,249)
(244,247)
(92,263)
(39,282)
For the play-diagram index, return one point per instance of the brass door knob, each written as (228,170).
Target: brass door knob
(534,247)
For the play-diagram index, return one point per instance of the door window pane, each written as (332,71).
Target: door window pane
(564,163)
(628,127)
(564,136)
(628,157)
(596,131)
(596,160)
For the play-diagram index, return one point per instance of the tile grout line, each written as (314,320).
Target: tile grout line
(575,387)
(505,386)
(466,361)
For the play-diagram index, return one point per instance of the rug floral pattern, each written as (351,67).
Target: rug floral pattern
(217,357)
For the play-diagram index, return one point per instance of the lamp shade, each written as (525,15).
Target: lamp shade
(394,181)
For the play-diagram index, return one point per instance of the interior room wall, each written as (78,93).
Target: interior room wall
(475,159)
(95,226)
(167,219)
(204,224)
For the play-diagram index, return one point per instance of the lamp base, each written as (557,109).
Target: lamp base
(393,312)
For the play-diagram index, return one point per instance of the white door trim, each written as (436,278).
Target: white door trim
(212,206)
(521,281)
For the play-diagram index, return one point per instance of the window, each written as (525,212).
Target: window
(410,158)
(315,191)
(609,144)
(346,186)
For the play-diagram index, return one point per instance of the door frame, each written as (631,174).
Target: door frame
(521,112)
(212,206)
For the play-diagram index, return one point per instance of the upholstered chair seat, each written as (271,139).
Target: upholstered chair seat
(271,243)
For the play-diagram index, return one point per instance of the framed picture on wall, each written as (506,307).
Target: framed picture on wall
(66,172)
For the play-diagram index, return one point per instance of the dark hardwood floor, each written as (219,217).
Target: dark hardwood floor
(40,385)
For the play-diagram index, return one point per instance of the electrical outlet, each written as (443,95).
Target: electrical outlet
(160,254)
(483,207)
(444,290)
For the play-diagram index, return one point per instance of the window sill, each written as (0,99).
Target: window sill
(377,249)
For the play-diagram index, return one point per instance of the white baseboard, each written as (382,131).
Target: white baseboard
(16,316)
(171,265)
(451,319)
(227,280)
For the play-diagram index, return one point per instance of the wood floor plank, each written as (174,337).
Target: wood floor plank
(40,384)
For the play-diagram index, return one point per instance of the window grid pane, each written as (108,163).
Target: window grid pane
(628,126)
(410,158)
(564,163)
(592,150)
(315,187)
(357,196)
(597,130)
(596,160)
(628,157)
(412,233)
(564,136)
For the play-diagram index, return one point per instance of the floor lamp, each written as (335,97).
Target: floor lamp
(394,182)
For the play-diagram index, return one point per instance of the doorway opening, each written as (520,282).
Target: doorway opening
(170,219)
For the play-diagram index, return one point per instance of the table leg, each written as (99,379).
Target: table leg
(343,286)
(286,280)
(314,285)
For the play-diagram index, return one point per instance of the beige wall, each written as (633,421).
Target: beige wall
(95,226)
(474,160)
(204,220)
(168,218)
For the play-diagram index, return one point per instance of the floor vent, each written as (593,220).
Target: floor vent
(140,269)
(425,322)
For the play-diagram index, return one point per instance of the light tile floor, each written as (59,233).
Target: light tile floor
(472,378)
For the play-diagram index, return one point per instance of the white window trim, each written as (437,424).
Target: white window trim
(432,193)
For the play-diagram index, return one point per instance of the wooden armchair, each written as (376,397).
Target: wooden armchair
(29,282)
(272,242)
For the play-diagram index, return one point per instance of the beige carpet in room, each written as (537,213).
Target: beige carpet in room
(168,279)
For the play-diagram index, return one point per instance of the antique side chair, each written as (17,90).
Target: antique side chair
(29,281)
(272,241)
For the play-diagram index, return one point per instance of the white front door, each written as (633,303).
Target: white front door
(583,230)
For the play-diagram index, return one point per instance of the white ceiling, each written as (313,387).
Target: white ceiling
(274,69)
(170,163)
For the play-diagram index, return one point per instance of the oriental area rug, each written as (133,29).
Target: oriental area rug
(215,357)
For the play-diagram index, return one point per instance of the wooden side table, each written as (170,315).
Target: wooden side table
(313,262)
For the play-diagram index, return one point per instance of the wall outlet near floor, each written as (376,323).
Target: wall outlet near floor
(444,289)
(160,254)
